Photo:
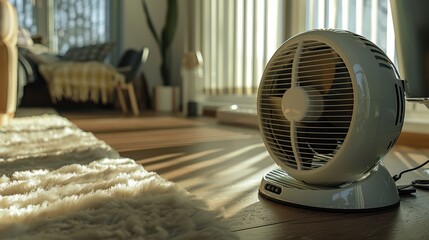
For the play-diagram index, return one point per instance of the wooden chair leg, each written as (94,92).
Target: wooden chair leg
(133,100)
(4,119)
(121,99)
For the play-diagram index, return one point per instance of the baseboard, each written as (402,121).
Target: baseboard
(235,115)
(412,139)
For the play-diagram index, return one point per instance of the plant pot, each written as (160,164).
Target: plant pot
(166,99)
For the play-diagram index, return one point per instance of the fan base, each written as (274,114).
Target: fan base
(375,192)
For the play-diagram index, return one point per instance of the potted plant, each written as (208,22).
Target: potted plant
(166,97)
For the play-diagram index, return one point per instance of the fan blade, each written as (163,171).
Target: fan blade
(276,108)
(305,149)
(319,137)
(318,64)
(277,129)
(275,100)
(338,105)
(327,73)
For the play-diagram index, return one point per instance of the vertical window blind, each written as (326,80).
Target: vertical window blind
(369,18)
(237,38)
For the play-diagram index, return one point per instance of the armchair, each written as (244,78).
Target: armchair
(129,66)
(8,61)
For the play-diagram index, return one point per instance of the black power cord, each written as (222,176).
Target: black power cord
(407,189)
(422,184)
(397,177)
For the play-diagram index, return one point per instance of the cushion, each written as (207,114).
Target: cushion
(24,38)
(44,58)
(36,49)
(96,52)
(40,54)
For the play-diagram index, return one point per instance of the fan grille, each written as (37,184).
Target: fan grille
(313,141)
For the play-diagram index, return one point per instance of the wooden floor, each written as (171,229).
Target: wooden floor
(224,166)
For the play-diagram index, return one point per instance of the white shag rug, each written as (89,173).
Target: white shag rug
(58,182)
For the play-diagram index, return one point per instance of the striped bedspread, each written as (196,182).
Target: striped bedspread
(81,81)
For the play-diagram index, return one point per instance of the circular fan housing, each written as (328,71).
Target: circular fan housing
(330,106)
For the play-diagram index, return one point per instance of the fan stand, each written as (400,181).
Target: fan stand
(376,191)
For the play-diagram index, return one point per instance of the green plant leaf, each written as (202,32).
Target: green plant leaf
(150,23)
(167,35)
(170,24)
(165,74)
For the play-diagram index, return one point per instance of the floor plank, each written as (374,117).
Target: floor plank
(124,124)
(224,166)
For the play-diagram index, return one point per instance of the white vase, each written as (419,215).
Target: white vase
(166,99)
(192,82)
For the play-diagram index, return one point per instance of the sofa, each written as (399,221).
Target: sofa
(33,89)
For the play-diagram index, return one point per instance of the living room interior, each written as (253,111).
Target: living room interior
(141,119)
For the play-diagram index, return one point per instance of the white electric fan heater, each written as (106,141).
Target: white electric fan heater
(330,106)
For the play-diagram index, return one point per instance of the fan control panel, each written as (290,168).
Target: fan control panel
(273,188)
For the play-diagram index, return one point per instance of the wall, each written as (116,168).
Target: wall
(136,34)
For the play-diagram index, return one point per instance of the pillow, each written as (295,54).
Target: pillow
(43,58)
(72,54)
(103,50)
(38,49)
(97,52)
(39,54)
(24,38)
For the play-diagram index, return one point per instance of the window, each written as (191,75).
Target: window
(238,37)
(75,22)
(370,18)
(79,22)
(26,14)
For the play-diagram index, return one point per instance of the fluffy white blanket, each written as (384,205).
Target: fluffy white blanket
(62,183)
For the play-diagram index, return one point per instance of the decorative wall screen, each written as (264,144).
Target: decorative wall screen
(80,22)
(26,14)
(75,22)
